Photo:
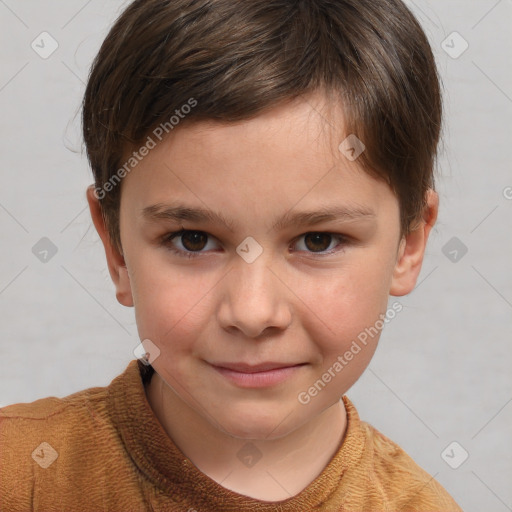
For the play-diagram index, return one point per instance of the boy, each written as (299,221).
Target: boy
(263,183)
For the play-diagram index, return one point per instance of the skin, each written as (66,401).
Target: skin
(300,301)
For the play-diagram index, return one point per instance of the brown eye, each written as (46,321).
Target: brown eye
(192,243)
(321,244)
(317,242)
(194,240)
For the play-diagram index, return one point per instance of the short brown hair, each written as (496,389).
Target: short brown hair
(235,59)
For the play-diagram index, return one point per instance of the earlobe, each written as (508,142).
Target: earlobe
(412,250)
(115,260)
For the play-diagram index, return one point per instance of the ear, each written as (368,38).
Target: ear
(412,249)
(115,260)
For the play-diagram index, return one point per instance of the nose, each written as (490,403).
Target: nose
(255,300)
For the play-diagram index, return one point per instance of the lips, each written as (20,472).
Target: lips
(254,376)
(255,368)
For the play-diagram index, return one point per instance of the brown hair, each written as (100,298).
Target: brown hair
(230,60)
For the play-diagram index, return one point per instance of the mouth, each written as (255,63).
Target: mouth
(255,368)
(261,375)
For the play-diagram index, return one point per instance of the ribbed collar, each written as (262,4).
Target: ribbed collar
(155,454)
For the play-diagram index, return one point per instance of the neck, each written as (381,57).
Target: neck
(290,463)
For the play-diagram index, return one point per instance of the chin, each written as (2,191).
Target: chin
(250,425)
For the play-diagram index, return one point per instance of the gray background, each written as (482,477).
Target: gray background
(442,372)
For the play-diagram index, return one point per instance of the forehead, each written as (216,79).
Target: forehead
(287,157)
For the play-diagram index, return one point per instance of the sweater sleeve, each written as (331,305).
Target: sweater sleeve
(24,451)
(52,448)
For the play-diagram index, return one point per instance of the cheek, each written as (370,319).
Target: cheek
(346,324)
(169,304)
(342,305)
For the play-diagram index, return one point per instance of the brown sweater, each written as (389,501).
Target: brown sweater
(103,449)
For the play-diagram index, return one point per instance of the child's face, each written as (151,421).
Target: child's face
(302,301)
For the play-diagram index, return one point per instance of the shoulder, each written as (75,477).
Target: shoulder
(56,421)
(48,439)
(28,421)
(408,486)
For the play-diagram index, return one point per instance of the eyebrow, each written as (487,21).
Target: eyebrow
(180,212)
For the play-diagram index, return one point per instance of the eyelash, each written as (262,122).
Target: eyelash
(191,254)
